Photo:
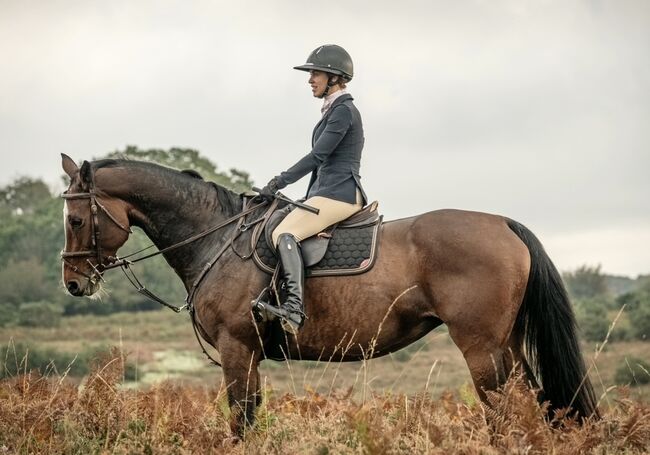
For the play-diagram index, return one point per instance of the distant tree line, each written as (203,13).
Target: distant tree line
(597,299)
(31,238)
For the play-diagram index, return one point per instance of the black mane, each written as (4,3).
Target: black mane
(229,201)
(193,173)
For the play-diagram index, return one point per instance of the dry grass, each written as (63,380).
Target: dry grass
(162,345)
(395,404)
(52,415)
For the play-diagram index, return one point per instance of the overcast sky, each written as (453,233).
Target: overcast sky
(535,110)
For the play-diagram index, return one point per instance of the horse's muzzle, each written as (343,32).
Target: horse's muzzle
(74,288)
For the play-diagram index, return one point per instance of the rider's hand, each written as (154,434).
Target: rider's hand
(270,189)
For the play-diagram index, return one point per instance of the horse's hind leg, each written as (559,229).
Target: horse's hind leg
(515,361)
(487,367)
(482,331)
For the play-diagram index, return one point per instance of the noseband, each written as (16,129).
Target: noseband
(96,247)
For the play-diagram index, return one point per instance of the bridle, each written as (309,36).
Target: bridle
(96,246)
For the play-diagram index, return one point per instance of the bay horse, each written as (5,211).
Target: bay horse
(485,276)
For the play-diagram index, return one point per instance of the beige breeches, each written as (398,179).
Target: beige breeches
(302,224)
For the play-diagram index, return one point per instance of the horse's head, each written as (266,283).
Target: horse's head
(96,226)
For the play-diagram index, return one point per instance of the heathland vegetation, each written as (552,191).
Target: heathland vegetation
(65,388)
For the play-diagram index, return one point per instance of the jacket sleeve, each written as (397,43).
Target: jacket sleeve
(337,125)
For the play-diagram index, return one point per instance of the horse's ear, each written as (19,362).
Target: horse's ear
(69,166)
(86,173)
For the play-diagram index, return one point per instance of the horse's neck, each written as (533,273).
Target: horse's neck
(170,210)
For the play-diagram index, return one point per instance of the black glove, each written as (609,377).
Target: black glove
(268,192)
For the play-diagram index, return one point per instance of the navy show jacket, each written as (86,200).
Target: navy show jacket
(335,158)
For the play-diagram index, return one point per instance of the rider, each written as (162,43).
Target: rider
(334,161)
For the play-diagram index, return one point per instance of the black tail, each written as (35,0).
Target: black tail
(551,341)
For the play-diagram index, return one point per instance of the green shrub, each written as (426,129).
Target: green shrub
(406,353)
(403,355)
(8,314)
(18,358)
(130,372)
(39,314)
(586,282)
(640,321)
(634,372)
(591,315)
(622,331)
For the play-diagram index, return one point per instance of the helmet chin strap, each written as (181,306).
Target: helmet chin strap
(330,84)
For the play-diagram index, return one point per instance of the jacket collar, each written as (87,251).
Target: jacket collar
(339,100)
(336,102)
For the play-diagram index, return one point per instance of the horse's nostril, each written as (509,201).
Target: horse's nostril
(73,287)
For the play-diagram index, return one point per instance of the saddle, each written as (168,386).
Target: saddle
(345,248)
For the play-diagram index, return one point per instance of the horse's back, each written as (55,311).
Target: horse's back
(450,232)
(449,218)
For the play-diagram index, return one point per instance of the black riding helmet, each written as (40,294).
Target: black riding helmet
(329,58)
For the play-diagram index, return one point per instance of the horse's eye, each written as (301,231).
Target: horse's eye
(75,222)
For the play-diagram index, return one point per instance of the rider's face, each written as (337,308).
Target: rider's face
(318,82)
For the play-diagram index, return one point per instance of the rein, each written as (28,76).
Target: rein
(120,262)
(124,263)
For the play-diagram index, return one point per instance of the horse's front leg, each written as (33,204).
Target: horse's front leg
(240,368)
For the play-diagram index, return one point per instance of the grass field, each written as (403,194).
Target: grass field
(161,345)
(338,404)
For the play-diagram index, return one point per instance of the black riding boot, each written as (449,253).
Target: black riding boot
(294,276)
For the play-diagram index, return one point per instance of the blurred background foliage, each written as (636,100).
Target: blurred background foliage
(31,237)
(597,299)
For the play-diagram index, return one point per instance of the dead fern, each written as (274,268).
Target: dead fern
(51,414)
(516,419)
